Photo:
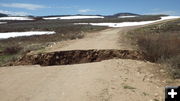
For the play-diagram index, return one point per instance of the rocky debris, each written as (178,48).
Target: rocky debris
(77,57)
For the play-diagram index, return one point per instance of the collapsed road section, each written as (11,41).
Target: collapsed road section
(77,57)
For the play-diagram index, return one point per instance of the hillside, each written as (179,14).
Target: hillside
(3,15)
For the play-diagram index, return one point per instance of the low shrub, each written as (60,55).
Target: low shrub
(161,43)
(12,50)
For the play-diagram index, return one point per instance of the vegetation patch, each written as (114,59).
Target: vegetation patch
(161,44)
(128,87)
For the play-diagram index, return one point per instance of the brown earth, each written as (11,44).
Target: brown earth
(77,57)
(106,80)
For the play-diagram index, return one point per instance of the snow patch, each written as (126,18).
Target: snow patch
(3,22)
(169,17)
(16,18)
(126,24)
(127,16)
(73,17)
(29,33)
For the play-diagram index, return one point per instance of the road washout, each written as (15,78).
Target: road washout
(77,57)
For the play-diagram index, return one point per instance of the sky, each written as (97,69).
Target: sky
(101,7)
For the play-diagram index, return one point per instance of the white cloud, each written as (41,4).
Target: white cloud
(23,5)
(14,13)
(85,10)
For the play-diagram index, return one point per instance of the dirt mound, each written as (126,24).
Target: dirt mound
(77,57)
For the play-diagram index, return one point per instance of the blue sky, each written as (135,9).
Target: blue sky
(105,7)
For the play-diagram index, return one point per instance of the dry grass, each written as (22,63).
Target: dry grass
(12,50)
(161,43)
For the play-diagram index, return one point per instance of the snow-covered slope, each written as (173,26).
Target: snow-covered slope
(16,18)
(17,34)
(125,24)
(73,17)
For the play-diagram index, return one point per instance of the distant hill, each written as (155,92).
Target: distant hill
(117,15)
(3,15)
(125,14)
(68,15)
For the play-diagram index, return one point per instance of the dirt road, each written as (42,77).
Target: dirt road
(109,80)
(106,39)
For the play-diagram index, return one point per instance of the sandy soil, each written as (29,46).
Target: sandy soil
(109,80)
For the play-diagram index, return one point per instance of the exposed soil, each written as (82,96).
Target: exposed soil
(77,57)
